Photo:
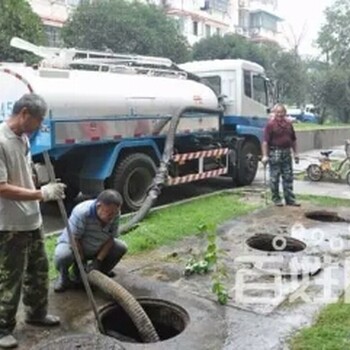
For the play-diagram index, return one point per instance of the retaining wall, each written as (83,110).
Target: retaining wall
(321,139)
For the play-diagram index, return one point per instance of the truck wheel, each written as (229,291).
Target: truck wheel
(247,164)
(132,177)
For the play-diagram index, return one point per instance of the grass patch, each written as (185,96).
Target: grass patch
(174,223)
(332,328)
(330,332)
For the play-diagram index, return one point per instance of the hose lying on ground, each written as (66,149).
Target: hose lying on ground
(131,306)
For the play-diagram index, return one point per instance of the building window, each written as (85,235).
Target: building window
(195,28)
(218,31)
(53,35)
(263,20)
(247,83)
(207,30)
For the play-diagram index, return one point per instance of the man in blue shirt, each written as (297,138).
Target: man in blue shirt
(94,226)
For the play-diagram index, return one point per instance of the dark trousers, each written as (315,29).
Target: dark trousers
(280,163)
(23,268)
(64,257)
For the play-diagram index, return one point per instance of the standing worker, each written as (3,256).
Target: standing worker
(23,260)
(94,226)
(278,148)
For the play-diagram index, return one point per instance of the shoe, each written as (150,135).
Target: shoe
(61,285)
(8,342)
(278,204)
(46,321)
(294,204)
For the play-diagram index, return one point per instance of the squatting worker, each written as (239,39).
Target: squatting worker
(94,226)
(278,148)
(23,260)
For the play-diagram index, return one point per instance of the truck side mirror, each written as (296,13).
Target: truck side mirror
(221,99)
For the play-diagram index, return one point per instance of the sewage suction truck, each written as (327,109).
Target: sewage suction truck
(110,114)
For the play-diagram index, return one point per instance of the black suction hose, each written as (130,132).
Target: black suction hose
(162,172)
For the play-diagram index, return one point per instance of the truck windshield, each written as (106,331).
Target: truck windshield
(214,82)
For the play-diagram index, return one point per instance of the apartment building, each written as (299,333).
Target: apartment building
(53,13)
(196,19)
(258,20)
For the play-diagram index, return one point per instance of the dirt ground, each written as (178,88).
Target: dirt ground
(259,315)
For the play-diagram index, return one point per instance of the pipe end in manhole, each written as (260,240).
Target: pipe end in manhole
(275,243)
(169,320)
(324,216)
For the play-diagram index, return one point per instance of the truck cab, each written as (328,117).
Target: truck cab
(240,84)
(242,88)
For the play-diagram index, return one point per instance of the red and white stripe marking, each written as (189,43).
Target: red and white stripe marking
(201,154)
(18,76)
(195,177)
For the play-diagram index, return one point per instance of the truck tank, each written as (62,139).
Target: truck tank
(83,94)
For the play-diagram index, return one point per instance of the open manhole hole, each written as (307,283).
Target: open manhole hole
(80,342)
(169,320)
(324,216)
(275,243)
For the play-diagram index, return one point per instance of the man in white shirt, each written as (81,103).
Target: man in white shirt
(23,260)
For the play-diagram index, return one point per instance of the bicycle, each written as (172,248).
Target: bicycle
(316,172)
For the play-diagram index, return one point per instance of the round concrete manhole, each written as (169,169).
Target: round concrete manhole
(324,216)
(79,342)
(169,320)
(275,243)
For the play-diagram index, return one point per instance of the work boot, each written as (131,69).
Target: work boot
(293,204)
(45,321)
(278,204)
(63,282)
(8,342)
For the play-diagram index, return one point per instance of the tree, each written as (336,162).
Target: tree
(332,83)
(229,46)
(18,19)
(125,27)
(334,36)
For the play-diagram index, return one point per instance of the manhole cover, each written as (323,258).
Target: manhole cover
(80,342)
(275,243)
(168,319)
(324,216)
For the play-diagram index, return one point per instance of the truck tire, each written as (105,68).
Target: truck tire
(248,160)
(132,177)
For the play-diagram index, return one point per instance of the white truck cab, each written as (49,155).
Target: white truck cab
(241,84)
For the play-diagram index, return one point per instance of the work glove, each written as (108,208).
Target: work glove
(296,159)
(264,160)
(94,265)
(53,191)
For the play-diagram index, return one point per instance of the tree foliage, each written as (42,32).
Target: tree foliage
(125,27)
(334,37)
(18,19)
(330,82)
